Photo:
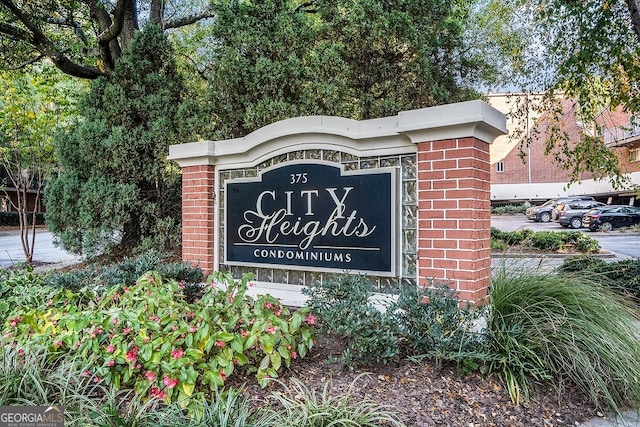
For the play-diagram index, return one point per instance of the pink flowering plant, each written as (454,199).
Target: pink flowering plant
(147,337)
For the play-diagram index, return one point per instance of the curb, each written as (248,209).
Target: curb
(602,254)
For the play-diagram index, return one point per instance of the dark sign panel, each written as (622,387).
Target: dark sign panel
(302,215)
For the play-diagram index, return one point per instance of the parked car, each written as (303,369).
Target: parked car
(570,214)
(609,217)
(543,213)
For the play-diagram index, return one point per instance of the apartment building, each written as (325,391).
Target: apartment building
(523,173)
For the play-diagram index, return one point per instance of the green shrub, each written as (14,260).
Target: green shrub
(580,263)
(147,337)
(424,321)
(511,237)
(509,209)
(126,272)
(623,275)
(549,241)
(342,304)
(436,325)
(566,329)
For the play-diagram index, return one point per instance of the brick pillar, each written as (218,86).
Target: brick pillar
(198,209)
(454,218)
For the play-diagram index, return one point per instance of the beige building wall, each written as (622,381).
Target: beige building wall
(507,103)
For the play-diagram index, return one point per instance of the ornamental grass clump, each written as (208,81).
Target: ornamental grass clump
(303,407)
(568,330)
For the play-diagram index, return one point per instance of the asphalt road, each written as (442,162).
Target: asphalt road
(624,244)
(11,252)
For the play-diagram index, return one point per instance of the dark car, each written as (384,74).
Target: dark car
(609,217)
(543,213)
(570,214)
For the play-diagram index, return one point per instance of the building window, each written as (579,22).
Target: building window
(634,155)
(500,167)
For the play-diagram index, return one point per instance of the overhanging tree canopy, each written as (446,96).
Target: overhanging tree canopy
(84,38)
(588,52)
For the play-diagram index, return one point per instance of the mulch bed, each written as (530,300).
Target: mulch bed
(421,393)
(425,395)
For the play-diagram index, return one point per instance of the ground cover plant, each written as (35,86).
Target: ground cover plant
(148,338)
(623,275)
(126,271)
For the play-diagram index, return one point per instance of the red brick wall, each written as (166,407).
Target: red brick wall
(198,219)
(454,220)
(454,242)
(544,169)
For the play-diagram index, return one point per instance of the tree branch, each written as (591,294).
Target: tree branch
(187,20)
(15,33)
(117,22)
(305,6)
(38,40)
(69,22)
(25,63)
(109,51)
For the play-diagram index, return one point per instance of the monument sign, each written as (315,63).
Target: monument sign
(304,214)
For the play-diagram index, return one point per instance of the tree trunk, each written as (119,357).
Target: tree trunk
(634,10)
(130,24)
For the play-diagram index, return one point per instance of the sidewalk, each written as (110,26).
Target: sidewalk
(626,419)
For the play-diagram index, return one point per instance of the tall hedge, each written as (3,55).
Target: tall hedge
(115,186)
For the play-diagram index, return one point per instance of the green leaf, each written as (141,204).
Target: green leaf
(186,388)
(194,354)
(250,341)
(213,379)
(192,375)
(267,343)
(276,360)
(302,349)
(296,321)
(241,359)
(146,352)
(222,360)
(225,336)
(264,363)
(284,352)
(237,345)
